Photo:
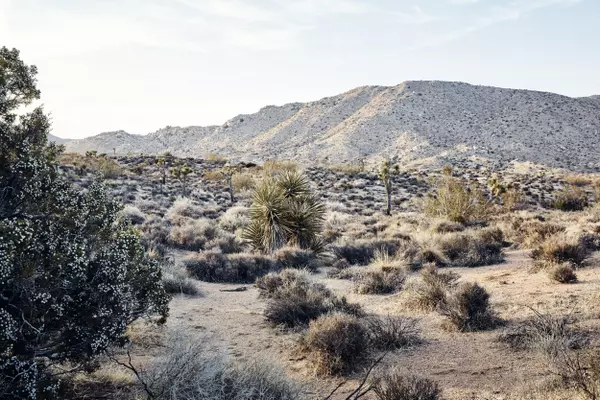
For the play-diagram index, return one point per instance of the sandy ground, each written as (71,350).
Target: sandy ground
(466,365)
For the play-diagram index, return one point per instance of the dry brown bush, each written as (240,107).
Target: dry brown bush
(393,385)
(431,290)
(392,332)
(336,343)
(559,249)
(562,273)
(468,308)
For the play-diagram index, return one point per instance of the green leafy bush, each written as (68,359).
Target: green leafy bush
(72,278)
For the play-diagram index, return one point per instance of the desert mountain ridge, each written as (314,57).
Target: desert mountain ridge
(418,121)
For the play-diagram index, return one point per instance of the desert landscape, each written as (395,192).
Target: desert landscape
(529,242)
(299,200)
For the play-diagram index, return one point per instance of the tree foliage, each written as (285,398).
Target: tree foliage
(285,212)
(72,276)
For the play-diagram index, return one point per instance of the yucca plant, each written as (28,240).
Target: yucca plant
(285,212)
(386,172)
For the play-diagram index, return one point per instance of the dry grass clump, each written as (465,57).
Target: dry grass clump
(393,385)
(177,281)
(337,343)
(430,291)
(378,281)
(545,334)
(560,249)
(481,247)
(468,309)
(392,332)
(235,218)
(243,182)
(193,234)
(295,299)
(183,207)
(295,257)
(562,273)
(362,252)
(188,369)
(445,226)
(572,198)
(454,200)
(214,266)
(274,167)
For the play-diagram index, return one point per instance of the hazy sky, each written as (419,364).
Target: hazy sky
(140,65)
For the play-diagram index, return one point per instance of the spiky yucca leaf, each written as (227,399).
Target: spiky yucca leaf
(293,184)
(269,226)
(306,216)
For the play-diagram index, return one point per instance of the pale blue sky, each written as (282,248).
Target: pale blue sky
(140,65)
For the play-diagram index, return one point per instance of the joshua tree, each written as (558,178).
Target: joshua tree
(91,153)
(388,169)
(497,189)
(228,172)
(162,164)
(181,173)
(114,151)
(363,163)
(285,212)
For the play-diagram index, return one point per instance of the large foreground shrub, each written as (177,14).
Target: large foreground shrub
(71,276)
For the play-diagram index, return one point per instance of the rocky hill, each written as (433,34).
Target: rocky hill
(420,121)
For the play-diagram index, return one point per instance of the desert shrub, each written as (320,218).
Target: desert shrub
(193,234)
(234,218)
(471,250)
(392,332)
(227,243)
(108,168)
(183,207)
(242,182)
(530,233)
(571,198)
(378,281)
(560,249)
(214,266)
(468,308)
(276,167)
(72,277)
(562,273)
(579,371)
(285,212)
(454,200)
(545,334)
(392,385)
(444,226)
(189,370)
(214,157)
(362,252)
(155,231)
(337,343)
(431,290)
(295,257)
(295,300)
(133,215)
